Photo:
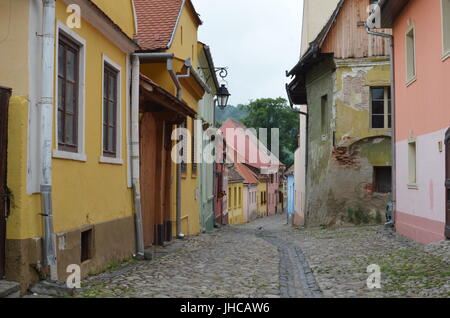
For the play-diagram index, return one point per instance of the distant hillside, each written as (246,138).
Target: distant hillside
(230,112)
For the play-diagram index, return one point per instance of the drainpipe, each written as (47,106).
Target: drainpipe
(393,111)
(135,159)
(46,119)
(178,190)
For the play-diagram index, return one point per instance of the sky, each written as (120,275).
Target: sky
(258,40)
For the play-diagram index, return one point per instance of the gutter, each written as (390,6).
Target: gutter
(46,135)
(393,114)
(163,57)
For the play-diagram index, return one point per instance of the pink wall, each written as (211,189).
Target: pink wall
(423,113)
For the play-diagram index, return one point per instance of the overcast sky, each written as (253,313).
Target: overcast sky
(257,39)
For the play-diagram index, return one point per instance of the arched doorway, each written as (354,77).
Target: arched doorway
(447,183)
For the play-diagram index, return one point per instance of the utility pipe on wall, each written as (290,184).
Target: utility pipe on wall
(135,158)
(46,121)
(393,114)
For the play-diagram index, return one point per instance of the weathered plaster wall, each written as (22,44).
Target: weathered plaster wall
(341,156)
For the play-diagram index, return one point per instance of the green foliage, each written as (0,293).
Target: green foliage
(230,112)
(275,113)
(358,216)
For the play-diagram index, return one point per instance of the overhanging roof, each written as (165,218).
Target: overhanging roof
(161,100)
(390,10)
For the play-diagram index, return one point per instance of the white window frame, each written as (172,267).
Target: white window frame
(412,184)
(445,50)
(118,160)
(411,79)
(81,154)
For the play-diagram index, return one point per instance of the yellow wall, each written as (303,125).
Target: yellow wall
(262,188)
(14,47)
(83,192)
(235,201)
(121,12)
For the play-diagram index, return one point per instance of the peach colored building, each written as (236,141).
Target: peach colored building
(421,30)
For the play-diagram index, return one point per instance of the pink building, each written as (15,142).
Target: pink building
(244,147)
(421,30)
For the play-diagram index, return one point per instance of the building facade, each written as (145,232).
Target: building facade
(70,180)
(344,79)
(206,115)
(169,59)
(421,31)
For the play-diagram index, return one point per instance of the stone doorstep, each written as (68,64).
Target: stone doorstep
(167,248)
(9,289)
(51,288)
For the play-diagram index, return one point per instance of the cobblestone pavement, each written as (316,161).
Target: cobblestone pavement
(268,258)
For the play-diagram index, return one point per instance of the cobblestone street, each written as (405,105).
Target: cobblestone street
(269,259)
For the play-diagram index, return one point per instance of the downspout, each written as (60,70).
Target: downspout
(135,158)
(393,114)
(46,119)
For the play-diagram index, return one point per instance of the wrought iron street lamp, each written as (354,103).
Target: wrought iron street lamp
(222,96)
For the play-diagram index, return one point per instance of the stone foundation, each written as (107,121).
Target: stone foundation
(111,242)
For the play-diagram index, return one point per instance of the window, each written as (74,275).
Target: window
(382,179)
(324,114)
(229,198)
(381,107)
(235,197)
(240,197)
(193,149)
(446,27)
(410,55)
(110,112)
(86,245)
(68,101)
(412,163)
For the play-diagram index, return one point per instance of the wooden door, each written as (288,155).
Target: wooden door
(4,101)
(148,130)
(447,183)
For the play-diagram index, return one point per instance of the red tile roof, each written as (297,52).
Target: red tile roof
(157,21)
(246,173)
(248,150)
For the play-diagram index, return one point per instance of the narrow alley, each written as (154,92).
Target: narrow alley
(269,259)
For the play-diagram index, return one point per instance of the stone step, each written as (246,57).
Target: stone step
(9,289)
(52,289)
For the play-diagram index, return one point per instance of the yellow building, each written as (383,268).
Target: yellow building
(169,62)
(68,135)
(261,197)
(235,197)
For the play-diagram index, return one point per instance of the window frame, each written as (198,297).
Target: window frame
(411,79)
(117,158)
(386,113)
(412,184)
(445,50)
(62,152)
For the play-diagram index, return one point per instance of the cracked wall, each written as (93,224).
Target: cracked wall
(342,156)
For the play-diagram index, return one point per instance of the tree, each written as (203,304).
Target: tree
(275,113)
